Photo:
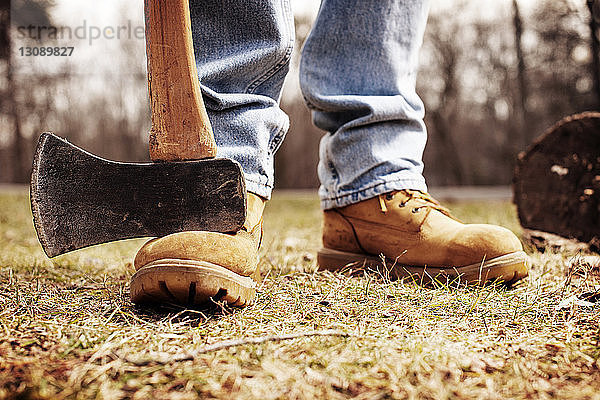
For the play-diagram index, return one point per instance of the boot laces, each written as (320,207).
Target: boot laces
(426,201)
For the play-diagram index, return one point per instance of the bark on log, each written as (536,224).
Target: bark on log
(557,180)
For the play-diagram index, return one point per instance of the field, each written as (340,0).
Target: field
(69,331)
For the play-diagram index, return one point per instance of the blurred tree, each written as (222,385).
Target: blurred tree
(561,63)
(447,52)
(4,28)
(488,90)
(521,116)
(11,14)
(296,160)
(594,8)
(105,111)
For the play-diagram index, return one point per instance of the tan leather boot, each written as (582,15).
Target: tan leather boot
(419,238)
(191,267)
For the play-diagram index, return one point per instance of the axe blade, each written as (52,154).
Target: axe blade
(79,200)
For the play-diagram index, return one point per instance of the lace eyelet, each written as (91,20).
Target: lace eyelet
(415,210)
(402,205)
(389,196)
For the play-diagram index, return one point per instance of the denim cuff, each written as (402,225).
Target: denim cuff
(414,183)
(258,186)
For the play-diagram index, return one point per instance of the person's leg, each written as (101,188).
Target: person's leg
(243,49)
(358,74)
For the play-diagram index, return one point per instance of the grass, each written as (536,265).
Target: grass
(69,331)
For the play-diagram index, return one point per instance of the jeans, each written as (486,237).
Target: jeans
(357,75)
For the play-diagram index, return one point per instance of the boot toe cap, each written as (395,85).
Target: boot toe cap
(235,252)
(481,241)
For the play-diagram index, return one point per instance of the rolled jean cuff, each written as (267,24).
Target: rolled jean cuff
(413,183)
(257,184)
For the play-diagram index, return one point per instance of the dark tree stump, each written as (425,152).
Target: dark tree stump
(557,180)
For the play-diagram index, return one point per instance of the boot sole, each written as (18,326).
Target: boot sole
(189,282)
(508,268)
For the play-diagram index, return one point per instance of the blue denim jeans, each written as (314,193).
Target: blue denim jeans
(357,75)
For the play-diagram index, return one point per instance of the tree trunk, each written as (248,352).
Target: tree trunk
(444,119)
(557,181)
(595,44)
(525,132)
(18,148)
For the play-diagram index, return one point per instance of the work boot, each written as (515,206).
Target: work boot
(192,267)
(418,238)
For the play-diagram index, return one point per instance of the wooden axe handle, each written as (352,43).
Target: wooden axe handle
(180,126)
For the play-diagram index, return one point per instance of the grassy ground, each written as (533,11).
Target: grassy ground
(69,330)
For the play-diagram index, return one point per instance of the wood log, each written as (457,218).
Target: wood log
(557,180)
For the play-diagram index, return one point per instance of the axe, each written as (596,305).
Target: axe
(78,199)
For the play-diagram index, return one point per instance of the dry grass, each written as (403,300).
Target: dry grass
(68,329)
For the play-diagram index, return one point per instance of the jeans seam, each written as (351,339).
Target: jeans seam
(277,139)
(257,182)
(289,48)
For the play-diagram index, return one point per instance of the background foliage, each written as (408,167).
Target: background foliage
(491,81)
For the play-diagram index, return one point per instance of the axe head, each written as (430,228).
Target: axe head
(78,199)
